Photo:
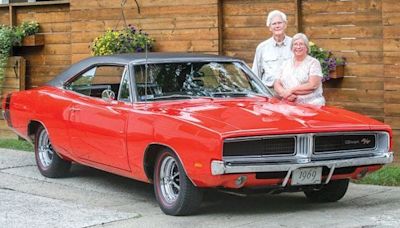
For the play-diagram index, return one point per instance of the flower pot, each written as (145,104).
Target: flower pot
(337,73)
(33,40)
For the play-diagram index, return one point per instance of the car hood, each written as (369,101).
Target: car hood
(263,116)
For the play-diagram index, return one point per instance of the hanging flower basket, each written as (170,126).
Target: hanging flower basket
(337,73)
(332,67)
(33,40)
(127,40)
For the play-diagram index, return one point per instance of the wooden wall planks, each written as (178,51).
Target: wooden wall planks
(14,81)
(391,50)
(45,62)
(364,31)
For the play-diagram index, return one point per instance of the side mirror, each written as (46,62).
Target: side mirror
(108,95)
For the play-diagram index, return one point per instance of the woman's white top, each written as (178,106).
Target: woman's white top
(292,76)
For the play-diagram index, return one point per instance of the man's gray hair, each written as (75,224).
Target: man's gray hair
(300,36)
(273,14)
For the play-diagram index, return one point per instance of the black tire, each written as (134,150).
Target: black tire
(173,201)
(47,160)
(332,192)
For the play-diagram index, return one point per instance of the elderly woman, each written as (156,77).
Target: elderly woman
(300,77)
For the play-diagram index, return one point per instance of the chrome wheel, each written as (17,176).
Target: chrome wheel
(169,179)
(50,164)
(175,193)
(45,150)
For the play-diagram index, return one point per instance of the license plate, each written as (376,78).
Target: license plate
(306,176)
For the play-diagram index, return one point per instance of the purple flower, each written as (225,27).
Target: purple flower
(331,63)
(132,28)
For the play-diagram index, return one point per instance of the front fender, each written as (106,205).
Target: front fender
(194,145)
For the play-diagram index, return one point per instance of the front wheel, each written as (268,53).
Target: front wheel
(332,192)
(174,192)
(47,160)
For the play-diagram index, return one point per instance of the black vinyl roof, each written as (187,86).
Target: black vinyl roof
(134,58)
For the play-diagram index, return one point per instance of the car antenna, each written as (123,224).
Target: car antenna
(145,74)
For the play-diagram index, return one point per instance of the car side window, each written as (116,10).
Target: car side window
(98,81)
(124,91)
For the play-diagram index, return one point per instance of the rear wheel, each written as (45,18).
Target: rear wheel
(174,192)
(332,192)
(47,160)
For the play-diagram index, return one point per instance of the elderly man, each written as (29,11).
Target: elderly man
(271,53)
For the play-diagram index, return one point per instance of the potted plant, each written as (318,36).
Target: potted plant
(332,67)
(128,40)
(30,30)
(9,37)
(337,69)
(6,43)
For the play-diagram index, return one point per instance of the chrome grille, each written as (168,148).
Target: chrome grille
(305,147)
(260,146)
(344,142)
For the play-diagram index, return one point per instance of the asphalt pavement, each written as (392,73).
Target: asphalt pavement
(92,198)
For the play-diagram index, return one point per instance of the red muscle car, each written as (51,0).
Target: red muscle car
(186,122)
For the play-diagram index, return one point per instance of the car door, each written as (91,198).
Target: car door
(98,117)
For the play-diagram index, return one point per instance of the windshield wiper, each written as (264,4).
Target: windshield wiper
(172,97)
(230,94)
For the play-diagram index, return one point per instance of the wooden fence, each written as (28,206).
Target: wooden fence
(14,81)
(364,31)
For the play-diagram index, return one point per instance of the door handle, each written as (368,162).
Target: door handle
(73,109)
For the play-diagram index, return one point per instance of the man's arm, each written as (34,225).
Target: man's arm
(256,68)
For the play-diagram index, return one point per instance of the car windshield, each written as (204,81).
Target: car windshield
(188,80)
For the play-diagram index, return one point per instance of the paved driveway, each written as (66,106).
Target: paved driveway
(91,198)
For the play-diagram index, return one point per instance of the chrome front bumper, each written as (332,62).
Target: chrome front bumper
(221,167)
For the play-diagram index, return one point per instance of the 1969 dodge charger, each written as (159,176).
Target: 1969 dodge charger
(186,122)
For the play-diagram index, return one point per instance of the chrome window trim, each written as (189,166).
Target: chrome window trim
(125,74)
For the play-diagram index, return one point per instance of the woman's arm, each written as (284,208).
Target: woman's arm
(313,83)
(282,92)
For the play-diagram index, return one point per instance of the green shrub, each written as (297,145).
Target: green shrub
(12,36)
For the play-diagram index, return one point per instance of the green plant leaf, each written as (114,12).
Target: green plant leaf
(12,36)
(127,40)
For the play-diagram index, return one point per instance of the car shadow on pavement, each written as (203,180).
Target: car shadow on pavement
(104,181)
(214,201)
